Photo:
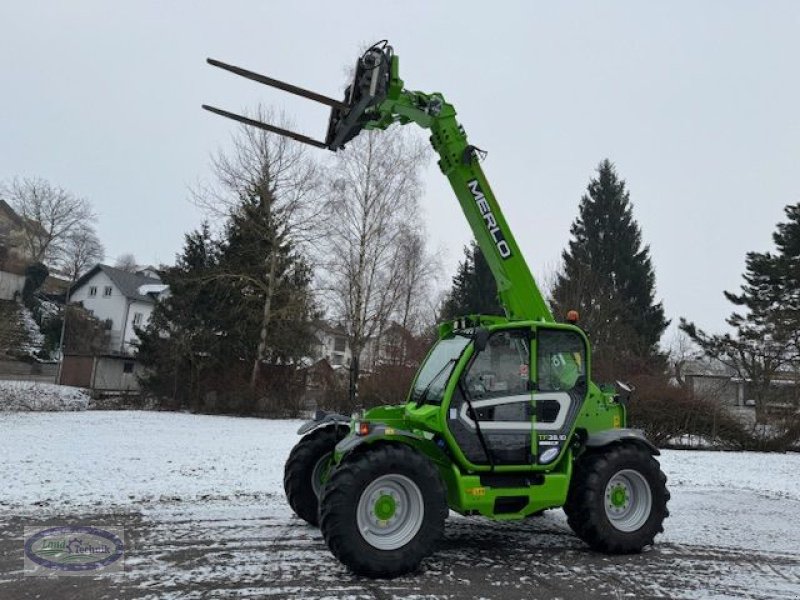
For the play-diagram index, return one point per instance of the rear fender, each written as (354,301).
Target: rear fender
(323,419)
(607,437)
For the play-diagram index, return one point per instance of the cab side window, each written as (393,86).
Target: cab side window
(560,360)
(502,368)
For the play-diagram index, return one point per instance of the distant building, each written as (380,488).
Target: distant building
(121,299)
(708,377)
(711,378)
(331,344)
(14,252)
(13,230)
(394,345)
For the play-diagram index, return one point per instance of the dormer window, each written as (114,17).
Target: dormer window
(93,291)
(107,291)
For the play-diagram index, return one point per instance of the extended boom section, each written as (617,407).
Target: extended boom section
(376,99)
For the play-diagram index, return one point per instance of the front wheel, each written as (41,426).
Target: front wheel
(383,511)
(617,499)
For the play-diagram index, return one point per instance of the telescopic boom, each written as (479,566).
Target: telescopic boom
(377,99)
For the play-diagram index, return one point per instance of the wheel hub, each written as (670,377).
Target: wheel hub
(385,506)
(619,496)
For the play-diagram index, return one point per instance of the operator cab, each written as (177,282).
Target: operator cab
(517,390)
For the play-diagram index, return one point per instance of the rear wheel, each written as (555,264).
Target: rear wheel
(307,470)
(383,511)
(617,500)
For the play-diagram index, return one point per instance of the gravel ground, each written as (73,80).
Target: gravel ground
(204,515)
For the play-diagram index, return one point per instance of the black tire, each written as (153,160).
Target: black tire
(339,507)
(587,500)
(299,470)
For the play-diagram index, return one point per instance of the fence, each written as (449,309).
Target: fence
(24,371)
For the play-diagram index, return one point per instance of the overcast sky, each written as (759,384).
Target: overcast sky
(697,103)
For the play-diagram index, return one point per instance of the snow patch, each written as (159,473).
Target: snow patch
(152,288)
(23,396)
(33,334)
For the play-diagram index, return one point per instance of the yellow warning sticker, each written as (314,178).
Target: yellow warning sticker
(616,421)
(476,491)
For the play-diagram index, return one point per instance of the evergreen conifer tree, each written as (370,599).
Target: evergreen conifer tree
(766,324)
(255,238)
(474,289)
(608,277)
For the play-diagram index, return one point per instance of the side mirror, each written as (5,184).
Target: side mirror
(481,338)
(624,392)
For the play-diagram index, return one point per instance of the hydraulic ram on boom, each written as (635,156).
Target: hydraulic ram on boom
(375,100)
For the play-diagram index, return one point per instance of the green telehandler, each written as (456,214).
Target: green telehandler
(502,419)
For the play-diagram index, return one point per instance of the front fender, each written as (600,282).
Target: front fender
(378,431)
(323,419)
(610,436)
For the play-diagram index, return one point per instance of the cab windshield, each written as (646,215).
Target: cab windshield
(434,374)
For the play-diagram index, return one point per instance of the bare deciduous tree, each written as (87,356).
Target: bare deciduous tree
(81,251)
(418,267)
(370,204)
(51,214)
(682,352)
(278,173)
(126,262)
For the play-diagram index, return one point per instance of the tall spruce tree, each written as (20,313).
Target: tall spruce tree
(474,289)
(608,277)
(255,238)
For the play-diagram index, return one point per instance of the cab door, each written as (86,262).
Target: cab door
(560,387)
(491,411)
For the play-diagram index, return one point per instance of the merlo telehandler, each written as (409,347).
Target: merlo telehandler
(502,419)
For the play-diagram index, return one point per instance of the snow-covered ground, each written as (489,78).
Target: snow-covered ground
(734,529)
(38,396)
(137,458)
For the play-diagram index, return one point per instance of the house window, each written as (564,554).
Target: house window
(107,290)
(339,344)
(127,367)
(137,318)
(93,290)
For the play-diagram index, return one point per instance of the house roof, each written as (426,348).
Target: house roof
(16,218)
(127,283)
(10,212)
(330,328)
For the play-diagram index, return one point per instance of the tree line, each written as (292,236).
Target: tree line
(291,241)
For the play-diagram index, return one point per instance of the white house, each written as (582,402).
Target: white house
(123,300)
(332,344)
